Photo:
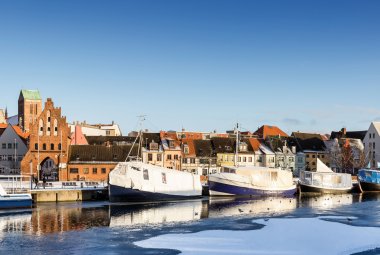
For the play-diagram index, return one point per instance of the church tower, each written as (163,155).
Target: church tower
(29,108)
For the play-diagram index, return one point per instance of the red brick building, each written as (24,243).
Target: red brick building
(48,145)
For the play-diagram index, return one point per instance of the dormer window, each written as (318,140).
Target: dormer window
(186,149)
(171,144)
(153,146)
(242,147)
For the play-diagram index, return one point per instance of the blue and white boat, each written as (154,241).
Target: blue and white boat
(252,181)
(369,180)
(14,200)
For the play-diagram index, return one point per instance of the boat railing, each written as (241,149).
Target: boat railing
(15,184)
(326,180)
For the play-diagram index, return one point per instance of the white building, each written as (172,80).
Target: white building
(371,144)
(97,129)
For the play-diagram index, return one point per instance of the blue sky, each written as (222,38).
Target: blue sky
(200,64)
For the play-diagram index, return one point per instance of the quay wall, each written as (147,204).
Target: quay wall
(68,195)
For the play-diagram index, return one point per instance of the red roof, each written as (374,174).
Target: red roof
(265,131)
(255,143)
(190,144)
(20,133)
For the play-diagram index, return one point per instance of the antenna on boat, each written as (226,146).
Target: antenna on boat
(139,136)
(237,144)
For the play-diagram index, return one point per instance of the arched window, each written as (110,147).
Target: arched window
(55,124)
(48,116)
(40,128)
(44,147)
(52,146)
(48,123)
(36,146)
(59,146)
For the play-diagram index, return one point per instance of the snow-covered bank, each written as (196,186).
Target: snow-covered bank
(279,236)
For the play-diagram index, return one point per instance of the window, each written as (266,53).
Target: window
(55,124)
(44,146)
(159,157)
(260,159)
(74,170)
(9,146)
(104,170)
(146,174)
(373,135)
(186,149)
(85,170)
(176,157)
(4,146)
(291,159)
(307,155)
(41,127)
(59,146)
(150,157)
(300,160)
(169,157)
(244,159)
(108,132)
(192,160)
(313,163)
(52,146)
(370,136)
(10,157)
(94,170)
(249,159)
(323,156)
(239,159)
(163,178)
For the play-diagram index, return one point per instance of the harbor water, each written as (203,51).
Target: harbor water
(327,224)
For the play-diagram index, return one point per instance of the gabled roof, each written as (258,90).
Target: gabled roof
(223,145)
(2,128)
(265,131)
(98,153)
(258,146)
(20,133)
(189,143)
(203,148)
(348,134)
(30,94)
(309,141)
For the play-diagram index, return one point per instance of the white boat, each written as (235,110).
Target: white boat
(324,180)
(251,181)
(138,181)
(14,200)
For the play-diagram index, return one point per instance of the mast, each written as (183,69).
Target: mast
(141,120)
(237,144)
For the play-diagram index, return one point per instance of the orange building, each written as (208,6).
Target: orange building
(48,145)
(95,162)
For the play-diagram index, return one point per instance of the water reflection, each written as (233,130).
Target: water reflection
(59,218)
(159,213)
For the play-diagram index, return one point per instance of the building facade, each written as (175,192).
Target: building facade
(48,145)
(13,147)
(372,144)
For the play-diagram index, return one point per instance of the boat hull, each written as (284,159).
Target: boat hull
(8,202)
(314,189)
(224,189)
(121,194)
(369,187)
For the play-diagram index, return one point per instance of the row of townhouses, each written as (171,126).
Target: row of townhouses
(39,141)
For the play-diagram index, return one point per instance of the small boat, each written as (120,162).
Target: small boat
(324,180)
(369,180)
(251,181)
(137,181)
(14,200)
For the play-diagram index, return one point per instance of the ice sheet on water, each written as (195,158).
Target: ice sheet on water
(279,236)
